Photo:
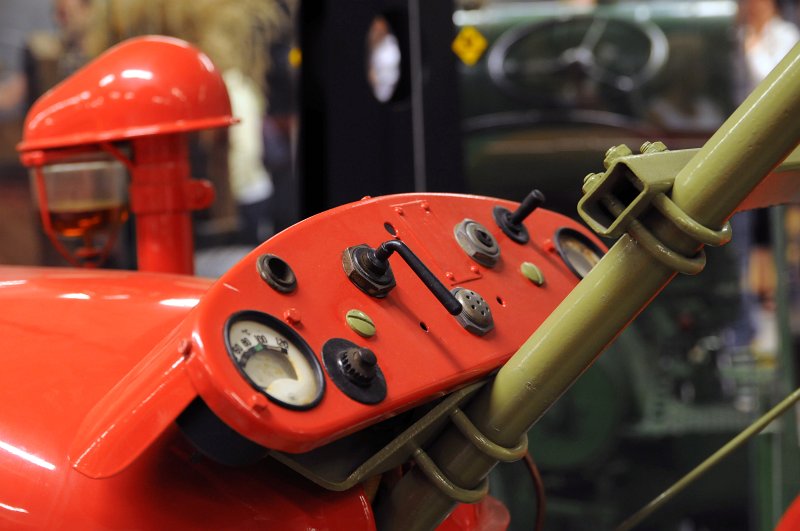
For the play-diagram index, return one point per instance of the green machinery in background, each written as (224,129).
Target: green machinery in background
(557,84)
(554,86)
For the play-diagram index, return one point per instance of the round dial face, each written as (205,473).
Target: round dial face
(275,359)
(578,252)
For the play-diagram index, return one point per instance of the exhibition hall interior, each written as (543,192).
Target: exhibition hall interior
(400,264)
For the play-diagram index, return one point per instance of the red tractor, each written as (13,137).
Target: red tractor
(365,367)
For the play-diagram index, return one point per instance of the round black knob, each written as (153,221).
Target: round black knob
(359,365)
(354,370)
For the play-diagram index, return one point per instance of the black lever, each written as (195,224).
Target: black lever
(369,269)
(511,222)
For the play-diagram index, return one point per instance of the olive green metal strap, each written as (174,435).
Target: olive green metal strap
(450,489)
(482,443)
(688,265)
(492,449)
(715,458)
(689,226)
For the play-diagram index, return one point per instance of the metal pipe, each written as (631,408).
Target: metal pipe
(747,146)
(710,462)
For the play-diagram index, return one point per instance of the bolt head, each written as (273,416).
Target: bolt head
(615,153)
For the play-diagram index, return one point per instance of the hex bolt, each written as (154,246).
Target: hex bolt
(615,153)
(653,147)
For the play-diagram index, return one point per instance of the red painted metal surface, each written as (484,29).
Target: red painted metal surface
(68,337)
(142,87)
(791,518)
(149,91)
(97,366)
(162,196)
(423,352)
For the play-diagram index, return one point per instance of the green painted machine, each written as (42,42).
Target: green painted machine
(673,386)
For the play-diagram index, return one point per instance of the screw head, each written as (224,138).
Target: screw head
(532,272)
(360,323)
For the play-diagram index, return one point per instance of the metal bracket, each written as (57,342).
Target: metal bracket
(614,201)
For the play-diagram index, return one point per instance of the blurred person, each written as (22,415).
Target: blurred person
(73,18)
(766,38)
(384,60)
(53,56)
(236,35)
(18,19)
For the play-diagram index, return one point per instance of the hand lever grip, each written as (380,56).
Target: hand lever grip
(380,258)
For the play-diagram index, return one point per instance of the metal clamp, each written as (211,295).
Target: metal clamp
(482,443)
(646,178)
(450,489)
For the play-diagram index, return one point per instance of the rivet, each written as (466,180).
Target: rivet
(532,273)
(425,206)
(292,316)
(360,323)
(399,211)
(184,347)
(474,269)
(450,275)
(258,402)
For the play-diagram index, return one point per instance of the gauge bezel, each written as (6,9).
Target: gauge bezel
(582,238)
(289,333)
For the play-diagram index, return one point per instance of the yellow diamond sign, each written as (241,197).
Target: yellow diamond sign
(469,45)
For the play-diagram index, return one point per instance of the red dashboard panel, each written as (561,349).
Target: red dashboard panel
(421,349)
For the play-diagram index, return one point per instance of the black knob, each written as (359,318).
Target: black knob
(359,365)
(531,202)
(354,370)
(511,222)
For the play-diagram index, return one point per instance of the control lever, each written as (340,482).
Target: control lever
(369,269)
(511,222)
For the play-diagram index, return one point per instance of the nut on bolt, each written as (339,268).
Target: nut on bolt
(653,147)
(615,153)
(477,242)
(361,272)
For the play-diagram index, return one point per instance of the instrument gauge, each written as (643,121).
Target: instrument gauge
(274,359)
(579,253)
